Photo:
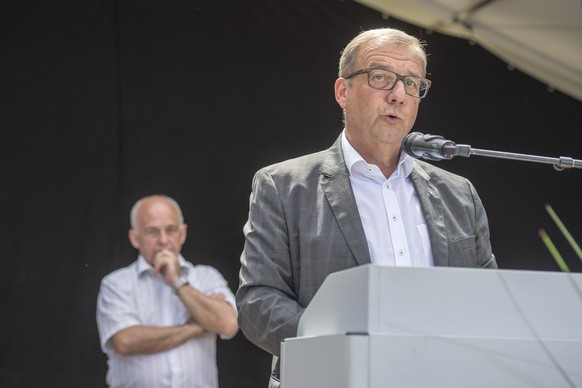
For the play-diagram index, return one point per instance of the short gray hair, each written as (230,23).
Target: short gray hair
(378,37)
(139,202)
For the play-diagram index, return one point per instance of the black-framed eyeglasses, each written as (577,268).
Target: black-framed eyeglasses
(383,79)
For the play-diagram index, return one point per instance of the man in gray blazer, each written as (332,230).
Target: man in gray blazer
(361,201)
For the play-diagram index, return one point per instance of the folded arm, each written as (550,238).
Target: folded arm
(151,339)
(212,313)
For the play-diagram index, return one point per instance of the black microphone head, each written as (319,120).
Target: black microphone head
(427,146)
(408,141)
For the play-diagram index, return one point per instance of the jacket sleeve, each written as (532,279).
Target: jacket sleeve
(268,311)
(485,256)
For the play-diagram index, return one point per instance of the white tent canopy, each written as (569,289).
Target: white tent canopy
(542,38)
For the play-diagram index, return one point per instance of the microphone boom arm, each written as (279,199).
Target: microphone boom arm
(561,163)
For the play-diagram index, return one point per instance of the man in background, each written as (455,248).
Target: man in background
(158,318)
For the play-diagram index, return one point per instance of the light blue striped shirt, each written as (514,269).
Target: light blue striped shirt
(136,295)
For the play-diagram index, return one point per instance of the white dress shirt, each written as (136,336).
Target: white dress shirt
(136,295)
(390,211)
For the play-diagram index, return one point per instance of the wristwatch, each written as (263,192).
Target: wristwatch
(181,282)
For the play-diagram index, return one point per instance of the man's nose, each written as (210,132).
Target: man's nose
(397,93)
(163,239)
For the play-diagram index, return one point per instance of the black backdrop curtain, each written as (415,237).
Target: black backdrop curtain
(108,101)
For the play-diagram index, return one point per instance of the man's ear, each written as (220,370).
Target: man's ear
(133,238)
(341,87)
(184,233)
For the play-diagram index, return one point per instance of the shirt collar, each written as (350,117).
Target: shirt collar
(353,158)
(143,265)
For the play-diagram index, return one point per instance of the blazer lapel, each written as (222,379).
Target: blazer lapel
(336,186)
(432,208)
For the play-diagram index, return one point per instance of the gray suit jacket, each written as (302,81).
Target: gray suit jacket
(304,224)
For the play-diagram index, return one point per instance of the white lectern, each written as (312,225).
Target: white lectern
(381,327)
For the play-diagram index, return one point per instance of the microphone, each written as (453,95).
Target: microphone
(435,147)
(431,147)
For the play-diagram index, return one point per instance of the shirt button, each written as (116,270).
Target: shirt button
(394,218)
(401,252)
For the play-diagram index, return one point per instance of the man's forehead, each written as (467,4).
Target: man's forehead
(391,52)
(161,225)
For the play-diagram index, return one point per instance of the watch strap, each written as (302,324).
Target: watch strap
(181,282)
